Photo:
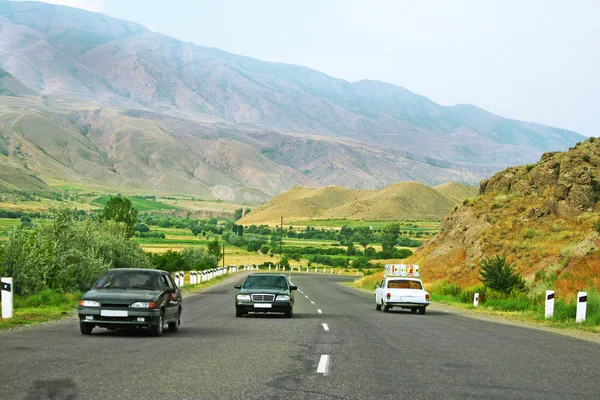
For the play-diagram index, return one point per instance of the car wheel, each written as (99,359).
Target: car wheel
(174,326)
(422,310)
(239,312)
(386,308)
(157,329)
(377,306)
(85,328)
(413,310)
(290,313)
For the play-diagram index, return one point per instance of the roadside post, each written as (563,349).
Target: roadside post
(307,270)
(269,267)
(331,271)
(177,279)
(182,277)
(7,297)
(476,300)
(315,270)
(581,306)
(549,312)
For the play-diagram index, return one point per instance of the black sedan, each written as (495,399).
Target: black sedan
(131,298)
(265,293)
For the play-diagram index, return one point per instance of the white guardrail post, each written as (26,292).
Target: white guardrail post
(7,297)
(476,300)
(307,270)
(581,306)
(177,279)
(182,277)
(549,312)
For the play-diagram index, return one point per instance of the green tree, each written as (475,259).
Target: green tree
(247,211)
(351,249)
(120,209)
(498,275)
(364,236)
(237,214)
(390,238)
(214,249)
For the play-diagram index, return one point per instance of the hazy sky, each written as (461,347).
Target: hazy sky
(531,60)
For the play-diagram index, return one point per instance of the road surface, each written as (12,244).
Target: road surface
(337,346)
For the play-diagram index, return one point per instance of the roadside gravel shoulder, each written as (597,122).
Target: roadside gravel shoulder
(485,315)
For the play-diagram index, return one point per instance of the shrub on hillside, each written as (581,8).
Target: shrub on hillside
(597,226)
(498,275)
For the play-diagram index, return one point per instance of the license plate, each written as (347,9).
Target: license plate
(264,305)
(113,313)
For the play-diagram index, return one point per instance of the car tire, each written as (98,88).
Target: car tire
(377,306)
(422,310)
(386,308)
(239,312)
(157,329)
(174,326)
(289,313)
(85,328)
(413,310)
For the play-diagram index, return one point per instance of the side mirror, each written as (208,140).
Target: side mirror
(170,290)
(293,287)
(238,286)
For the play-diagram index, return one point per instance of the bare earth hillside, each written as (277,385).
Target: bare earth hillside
(404,200)
(541,216)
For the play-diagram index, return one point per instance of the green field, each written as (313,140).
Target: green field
(338,223)
(6,224)
(140,203)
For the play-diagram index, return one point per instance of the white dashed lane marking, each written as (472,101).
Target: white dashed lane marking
(326,327)
(323,367)
(319,311)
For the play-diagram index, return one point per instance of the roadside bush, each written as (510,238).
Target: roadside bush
(67,254)
(498,275)
(47,297)
(597,226)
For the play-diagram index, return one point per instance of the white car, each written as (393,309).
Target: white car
(401,291)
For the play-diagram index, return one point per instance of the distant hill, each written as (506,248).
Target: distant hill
(540,216)
(404,200)
(58,50)
(13,179)
(10,86)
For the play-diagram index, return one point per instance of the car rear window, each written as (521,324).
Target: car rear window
(404,284)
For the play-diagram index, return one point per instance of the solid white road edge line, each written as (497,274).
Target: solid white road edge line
(323,367)
(319,311)
(326,327)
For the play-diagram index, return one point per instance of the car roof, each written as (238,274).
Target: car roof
(157,271)
(260,274)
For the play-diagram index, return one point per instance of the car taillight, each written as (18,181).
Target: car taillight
(151,304)
(388,296)
(427,296)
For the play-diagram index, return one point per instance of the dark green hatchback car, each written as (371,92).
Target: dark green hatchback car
(131,298)
(265,293)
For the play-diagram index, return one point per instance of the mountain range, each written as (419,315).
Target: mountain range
(107,103)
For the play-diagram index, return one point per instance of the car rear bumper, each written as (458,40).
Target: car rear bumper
(276,307)
(92,315)
(405,304)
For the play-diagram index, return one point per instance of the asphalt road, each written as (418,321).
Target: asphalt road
(370,355)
